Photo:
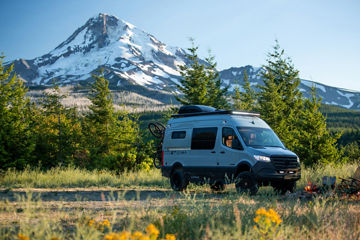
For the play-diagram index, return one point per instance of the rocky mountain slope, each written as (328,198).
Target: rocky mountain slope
(136,62)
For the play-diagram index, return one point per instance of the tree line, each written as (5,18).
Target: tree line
(47,134)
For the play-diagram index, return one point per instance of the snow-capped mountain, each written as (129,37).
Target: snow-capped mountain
(131,58)
(330,95)
(135,61)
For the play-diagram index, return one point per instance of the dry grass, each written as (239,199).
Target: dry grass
(195,214)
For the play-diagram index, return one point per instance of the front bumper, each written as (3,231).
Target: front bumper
(265,171)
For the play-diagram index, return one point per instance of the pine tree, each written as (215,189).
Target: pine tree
(244,100)
(297,121)
(112,137)
(16,139)
(315,144)
(100,120)
(58,131)
(216,95)
(200,83)
(280,101)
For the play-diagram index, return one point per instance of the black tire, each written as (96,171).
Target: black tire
(177,180)
(157,129)
(157,157)
(246,183)
(218,186)
(284,187)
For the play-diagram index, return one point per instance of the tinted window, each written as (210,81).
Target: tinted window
(230,139)
(178,135)
(203,138)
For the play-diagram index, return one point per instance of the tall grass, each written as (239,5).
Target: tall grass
(315,174)
(75,177)
(189,217)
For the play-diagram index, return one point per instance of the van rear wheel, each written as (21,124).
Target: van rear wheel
(178,181)
(246,183)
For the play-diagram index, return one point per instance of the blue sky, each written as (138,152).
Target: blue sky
(322,37)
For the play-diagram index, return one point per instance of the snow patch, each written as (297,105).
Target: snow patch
(169,70)
(311,84)
(143,79)
(348,95)
(176,81)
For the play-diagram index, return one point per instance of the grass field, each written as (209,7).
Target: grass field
(76,204)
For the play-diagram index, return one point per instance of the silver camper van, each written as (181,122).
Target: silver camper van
(204,145)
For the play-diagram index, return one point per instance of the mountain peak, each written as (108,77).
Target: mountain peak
(134,60)
(95,33)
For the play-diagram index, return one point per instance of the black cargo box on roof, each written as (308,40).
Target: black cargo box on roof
(200,110)
(195,109)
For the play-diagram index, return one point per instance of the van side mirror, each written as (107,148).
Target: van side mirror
(237,145)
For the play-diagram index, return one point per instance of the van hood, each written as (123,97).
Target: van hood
(271,151)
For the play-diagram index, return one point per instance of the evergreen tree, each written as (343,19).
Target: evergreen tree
(280,101)
(216,95)
(200,82)
(58,131)
(244,100)
(16,140)
(298,122)
(112,137)
(315,144)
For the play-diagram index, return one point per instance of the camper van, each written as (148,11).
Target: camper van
(204,145)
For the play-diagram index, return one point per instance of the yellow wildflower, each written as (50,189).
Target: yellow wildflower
(261,211)
(136,235)
(257,219)
(267,223)
(106,223)
(111,236)
(152,230)
(170,237)
(124,235)
(91,222)
(23,237)
(144,238)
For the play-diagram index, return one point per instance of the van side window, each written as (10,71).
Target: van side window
(229,139)
(203,138)
(178,135)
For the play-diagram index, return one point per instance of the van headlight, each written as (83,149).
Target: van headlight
(298,159)
(262,158)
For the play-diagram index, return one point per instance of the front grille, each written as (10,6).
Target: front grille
(284,162)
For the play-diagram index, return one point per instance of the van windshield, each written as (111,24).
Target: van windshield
(259,137)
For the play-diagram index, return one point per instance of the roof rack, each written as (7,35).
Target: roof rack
(217,112)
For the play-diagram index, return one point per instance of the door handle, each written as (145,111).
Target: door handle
(222,152)
(213,152)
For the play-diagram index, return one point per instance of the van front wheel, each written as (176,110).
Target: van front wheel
(178,181)
(246,183)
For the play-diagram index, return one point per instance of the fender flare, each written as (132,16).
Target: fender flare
(242,167)
(175,166)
